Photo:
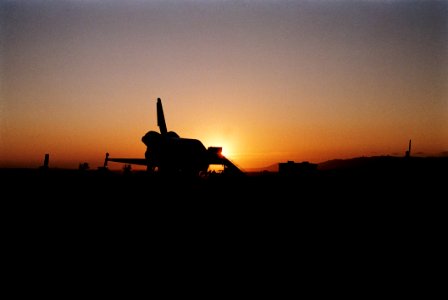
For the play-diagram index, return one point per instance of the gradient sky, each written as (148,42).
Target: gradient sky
(269,81)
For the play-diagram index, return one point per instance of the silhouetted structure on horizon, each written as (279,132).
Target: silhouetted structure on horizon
(105,160)
(127,169)
(45,166)
(408,152)
(292,168)
(83,166)
(104,167)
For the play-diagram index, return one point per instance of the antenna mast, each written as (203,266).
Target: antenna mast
(408,153)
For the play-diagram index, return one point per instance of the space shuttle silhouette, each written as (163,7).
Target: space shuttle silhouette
(168,153)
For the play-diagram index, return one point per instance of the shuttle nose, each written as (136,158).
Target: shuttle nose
(151,138)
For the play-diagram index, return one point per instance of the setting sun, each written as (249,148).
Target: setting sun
(220,141)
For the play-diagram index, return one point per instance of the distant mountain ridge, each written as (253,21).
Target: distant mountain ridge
(356,162)
(270,168)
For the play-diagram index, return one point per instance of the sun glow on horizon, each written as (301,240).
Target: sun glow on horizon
(227,145)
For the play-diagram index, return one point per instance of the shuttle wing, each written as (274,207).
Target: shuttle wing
(132,161)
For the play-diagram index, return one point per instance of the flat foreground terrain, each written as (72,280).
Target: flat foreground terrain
(357,180)
(352,212)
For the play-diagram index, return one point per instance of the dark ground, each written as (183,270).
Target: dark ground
(359,185)
(371,225)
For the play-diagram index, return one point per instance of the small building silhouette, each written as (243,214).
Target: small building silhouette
(84,166)
(127,169)
(292,168)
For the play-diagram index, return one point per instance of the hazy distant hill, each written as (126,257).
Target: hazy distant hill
(377,162)
(356,162)
(328,165)
(372,162)
(270,168)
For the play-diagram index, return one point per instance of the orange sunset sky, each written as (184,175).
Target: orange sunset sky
(269,81)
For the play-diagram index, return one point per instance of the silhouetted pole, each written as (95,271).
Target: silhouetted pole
(106,159)
(46,160)
(408,153)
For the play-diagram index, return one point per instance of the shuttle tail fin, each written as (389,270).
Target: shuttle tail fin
(161,118)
